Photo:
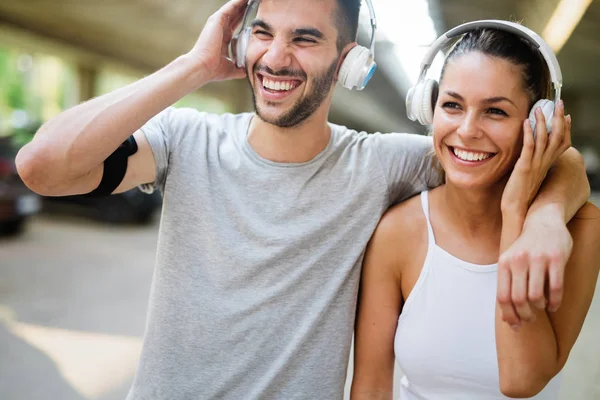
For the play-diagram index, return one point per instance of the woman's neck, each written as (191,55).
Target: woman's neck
(475,212)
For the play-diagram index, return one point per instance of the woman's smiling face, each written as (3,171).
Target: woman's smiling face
(478,119)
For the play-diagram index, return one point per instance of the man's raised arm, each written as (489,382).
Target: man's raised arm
(536,244)
(68,152)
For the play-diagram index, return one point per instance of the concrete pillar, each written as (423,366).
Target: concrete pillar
(535,14)
(86,82)
(585,121)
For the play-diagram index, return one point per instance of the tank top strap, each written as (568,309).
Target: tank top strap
(425,205)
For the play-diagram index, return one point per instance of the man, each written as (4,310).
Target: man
(265,216)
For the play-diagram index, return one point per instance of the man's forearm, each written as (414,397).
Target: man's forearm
(81,138)
(564,191)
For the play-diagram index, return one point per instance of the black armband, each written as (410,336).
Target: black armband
(115,167)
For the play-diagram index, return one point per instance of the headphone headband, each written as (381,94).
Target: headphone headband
(372,18)
(247,12)
(517,29)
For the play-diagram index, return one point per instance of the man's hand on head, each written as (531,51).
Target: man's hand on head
(211,51)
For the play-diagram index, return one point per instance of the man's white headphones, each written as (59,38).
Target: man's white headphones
(421,98)
(356,70)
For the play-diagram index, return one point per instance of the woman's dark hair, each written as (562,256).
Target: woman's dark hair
(512,48)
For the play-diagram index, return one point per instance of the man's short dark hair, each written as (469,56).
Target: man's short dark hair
(346,20)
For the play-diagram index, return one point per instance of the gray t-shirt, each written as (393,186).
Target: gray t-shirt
(258,264)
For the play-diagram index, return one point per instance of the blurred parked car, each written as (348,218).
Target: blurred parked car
(17,202)
(132,206)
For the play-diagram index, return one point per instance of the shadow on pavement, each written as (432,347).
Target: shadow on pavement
(27,373)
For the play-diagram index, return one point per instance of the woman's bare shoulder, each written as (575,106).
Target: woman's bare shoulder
(402,225)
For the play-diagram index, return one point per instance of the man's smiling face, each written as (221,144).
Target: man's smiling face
(292,59)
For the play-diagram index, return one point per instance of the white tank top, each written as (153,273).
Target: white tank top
(445,340)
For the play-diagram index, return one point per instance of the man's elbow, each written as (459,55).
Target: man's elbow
(29,168)
(525,384)
(37,170)
(577,162)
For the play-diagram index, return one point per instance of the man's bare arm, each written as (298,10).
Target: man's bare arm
(565,190)
(67,154)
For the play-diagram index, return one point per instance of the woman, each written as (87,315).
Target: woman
(428,291)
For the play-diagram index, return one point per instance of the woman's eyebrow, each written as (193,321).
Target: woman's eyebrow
(491,100)
(498,99)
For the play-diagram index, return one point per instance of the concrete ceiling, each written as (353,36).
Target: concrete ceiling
(579,58)
(147,34)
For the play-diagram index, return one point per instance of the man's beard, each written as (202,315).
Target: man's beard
(305,106)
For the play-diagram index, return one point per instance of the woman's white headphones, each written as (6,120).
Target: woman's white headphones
(421,98)
(356,70)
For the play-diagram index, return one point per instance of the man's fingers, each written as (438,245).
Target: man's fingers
(567,140)
(537,283)
(233,6)
(559,130)
(541,136)
(231,13)
(555,282)
(237,73)
(519,286)
(509,314)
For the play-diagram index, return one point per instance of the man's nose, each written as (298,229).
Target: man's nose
(278,55)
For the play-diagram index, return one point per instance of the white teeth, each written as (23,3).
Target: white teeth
(277,85)
(470,156)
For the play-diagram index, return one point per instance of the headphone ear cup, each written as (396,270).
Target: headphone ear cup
(422,101)
(427,104)
(410,97)
(352,67)
(416,102)
(241,45)
(547,107)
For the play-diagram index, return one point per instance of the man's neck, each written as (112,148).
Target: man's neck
(297,144)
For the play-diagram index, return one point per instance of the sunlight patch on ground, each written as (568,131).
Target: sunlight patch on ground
(93,364)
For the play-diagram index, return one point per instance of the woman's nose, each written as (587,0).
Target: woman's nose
(469,127)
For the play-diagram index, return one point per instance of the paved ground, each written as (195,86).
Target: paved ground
(73,298)
(72,309)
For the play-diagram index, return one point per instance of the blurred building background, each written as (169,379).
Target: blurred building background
(73,292)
